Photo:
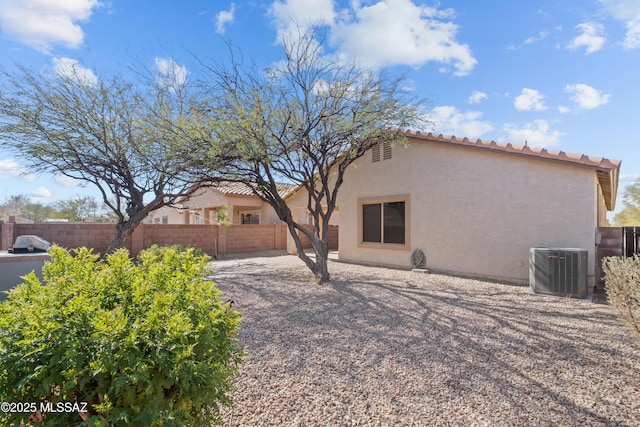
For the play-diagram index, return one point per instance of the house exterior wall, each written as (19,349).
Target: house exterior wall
(205,203)
(471,211)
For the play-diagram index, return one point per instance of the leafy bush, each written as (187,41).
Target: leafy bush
(146,343)
(622,284)
(159,250)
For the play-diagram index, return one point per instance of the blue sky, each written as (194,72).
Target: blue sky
(562,75)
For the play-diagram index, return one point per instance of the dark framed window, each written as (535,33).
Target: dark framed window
(250,218)
(384,222)
(371,223)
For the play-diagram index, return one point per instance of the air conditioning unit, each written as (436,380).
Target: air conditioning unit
(558,271)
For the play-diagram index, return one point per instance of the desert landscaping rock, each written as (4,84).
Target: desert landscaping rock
(384,347)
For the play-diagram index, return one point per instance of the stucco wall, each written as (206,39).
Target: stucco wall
(472,211)
(212,198)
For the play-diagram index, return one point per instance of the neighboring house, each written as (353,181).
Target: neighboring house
(201,208)
(473,207)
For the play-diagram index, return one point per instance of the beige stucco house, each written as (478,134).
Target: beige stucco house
(473,207)
(201,208)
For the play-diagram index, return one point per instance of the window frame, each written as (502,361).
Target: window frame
(381,201)
(250,214)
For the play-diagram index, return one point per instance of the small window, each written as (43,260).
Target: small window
(384,222)
(165,219)
(393,224)
(250,218)
(371,220)
(375,153)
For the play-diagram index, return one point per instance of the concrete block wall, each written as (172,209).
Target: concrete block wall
(7,234)
(72,235)
(253,238)
(233,239)
(200,236)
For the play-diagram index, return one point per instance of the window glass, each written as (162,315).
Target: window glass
(394,222)
(371,227)
(250,218)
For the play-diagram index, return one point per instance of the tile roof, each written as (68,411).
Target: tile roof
(242,189)
(607,170)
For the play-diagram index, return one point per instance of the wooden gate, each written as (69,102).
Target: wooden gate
(630,241)
(616,241)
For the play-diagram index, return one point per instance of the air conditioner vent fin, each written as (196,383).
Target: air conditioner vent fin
(558,271)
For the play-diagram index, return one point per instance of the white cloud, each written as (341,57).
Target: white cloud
(592,37)
(71,69)
(289,14)
(630,177)
(41,193)
(44,23)
(627,12)
(413,35)
(448,120)
(383,33)
(537,134)
(585,96)
(476,97)
(66,181)
(225,17)
(563,109)
(541,36)
(9,168)
(529,99)
(170,72)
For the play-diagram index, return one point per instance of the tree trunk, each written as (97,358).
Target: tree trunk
(321,268)
(124,230)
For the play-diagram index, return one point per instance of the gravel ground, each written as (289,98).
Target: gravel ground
(382,347)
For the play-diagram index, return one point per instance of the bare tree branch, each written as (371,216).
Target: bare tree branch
(139,143)
(304,121)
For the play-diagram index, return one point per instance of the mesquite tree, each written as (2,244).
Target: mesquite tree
(132,139)
(304,121)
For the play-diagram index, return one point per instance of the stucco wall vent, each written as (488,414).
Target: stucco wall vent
(375,153)
(558,271)
(386,151)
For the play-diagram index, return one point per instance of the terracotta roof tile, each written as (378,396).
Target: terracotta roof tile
(241,189)
(519,149)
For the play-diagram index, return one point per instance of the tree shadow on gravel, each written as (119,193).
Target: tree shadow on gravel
(478,343)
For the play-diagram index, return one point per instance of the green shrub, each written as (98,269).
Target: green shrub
(622,284)
(146,343)
(156,249)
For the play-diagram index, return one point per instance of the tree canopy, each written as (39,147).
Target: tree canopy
(134,140)
(304,121)
(630,214)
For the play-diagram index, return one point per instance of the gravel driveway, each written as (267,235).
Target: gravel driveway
(382,347)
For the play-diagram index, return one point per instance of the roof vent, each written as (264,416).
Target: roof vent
(558,271)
